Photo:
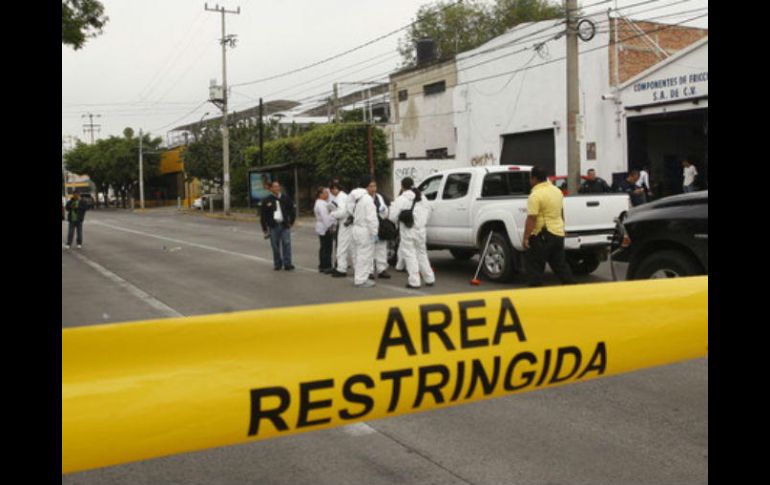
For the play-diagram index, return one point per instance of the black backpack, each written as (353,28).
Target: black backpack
(387,231)
(406,217)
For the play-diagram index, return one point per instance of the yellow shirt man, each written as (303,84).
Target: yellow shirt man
(546,203)
(544,211)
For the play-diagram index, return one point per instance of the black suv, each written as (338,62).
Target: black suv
(665,238)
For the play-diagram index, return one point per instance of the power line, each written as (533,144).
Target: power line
(168,63)
(512,43)
(183,117)
(359,47)
(603,46)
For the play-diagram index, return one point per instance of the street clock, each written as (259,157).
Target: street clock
(586,30)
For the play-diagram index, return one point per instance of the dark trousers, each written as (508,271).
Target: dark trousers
(325,252)
(71,232)
(547,248)
(280,240)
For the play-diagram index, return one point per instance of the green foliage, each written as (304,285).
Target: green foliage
(203,157)
(509,13)
(81,19)
(341,151)
(467,25)
(323,152)
(115,161)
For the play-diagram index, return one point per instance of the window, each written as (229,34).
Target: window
(403,95)
(456,186)
(434,88)
(437,153)
(429,188)
(505,184)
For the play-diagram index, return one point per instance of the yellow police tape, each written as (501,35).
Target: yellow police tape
(135,391)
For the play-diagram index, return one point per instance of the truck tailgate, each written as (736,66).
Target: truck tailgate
(593,212)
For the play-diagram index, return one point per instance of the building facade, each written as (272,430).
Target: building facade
(508,103)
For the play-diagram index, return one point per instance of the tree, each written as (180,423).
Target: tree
(509,13)
(454,27)
(114,162)
(458,27)
(81,19)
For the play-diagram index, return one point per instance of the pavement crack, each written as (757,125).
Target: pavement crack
(421,455)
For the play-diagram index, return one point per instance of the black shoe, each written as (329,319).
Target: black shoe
(337,274)
(371,276)
(326,270)
(289,268)
(277,268)
(430,284)
(384,275)
(412,287)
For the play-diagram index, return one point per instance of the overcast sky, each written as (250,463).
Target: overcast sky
(152,66)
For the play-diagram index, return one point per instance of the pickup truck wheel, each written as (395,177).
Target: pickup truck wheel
(498,262)
(666,264)
(462,254)
(583,264)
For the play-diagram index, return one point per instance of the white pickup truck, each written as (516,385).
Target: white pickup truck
(470,202)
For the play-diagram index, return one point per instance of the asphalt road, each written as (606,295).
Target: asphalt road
(644,427)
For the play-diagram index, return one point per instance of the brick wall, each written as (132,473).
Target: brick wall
(637,55)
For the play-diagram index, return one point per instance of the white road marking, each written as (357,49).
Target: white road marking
(358,429)
(241,255)
(145,297)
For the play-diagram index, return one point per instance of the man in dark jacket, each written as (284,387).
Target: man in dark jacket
(629,186)
(277,217)
(76,212)
(593,184)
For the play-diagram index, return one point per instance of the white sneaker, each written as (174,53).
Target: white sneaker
(66,246)
(80,246)
(366,284)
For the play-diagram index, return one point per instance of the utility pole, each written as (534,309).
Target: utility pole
(141,173)
(573,99)
(336,109)
(261,133)
(91,125)
(225,131)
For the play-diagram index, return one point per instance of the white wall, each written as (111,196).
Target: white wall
(535,99)
(419,169)
(423,122)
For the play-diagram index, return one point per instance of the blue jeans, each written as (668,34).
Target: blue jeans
(688,188)
(71,232)
(280,240)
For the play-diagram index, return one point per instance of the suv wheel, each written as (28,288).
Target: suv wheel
(666,264)
(498,262)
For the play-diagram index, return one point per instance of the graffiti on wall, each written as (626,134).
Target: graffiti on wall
(481,160)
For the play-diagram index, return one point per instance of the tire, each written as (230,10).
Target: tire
(498,265)
(462,254)
(666,264)
(583,263)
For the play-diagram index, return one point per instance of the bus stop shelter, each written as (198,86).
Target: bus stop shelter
(260,179)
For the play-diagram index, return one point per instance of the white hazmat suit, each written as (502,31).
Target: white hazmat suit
(365,226)
(344,233)
(413,240)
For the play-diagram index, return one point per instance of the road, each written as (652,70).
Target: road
(644,427)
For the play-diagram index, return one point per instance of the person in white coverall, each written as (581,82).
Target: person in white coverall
(365,227)
(381,247)
(413,242)
(344,232)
